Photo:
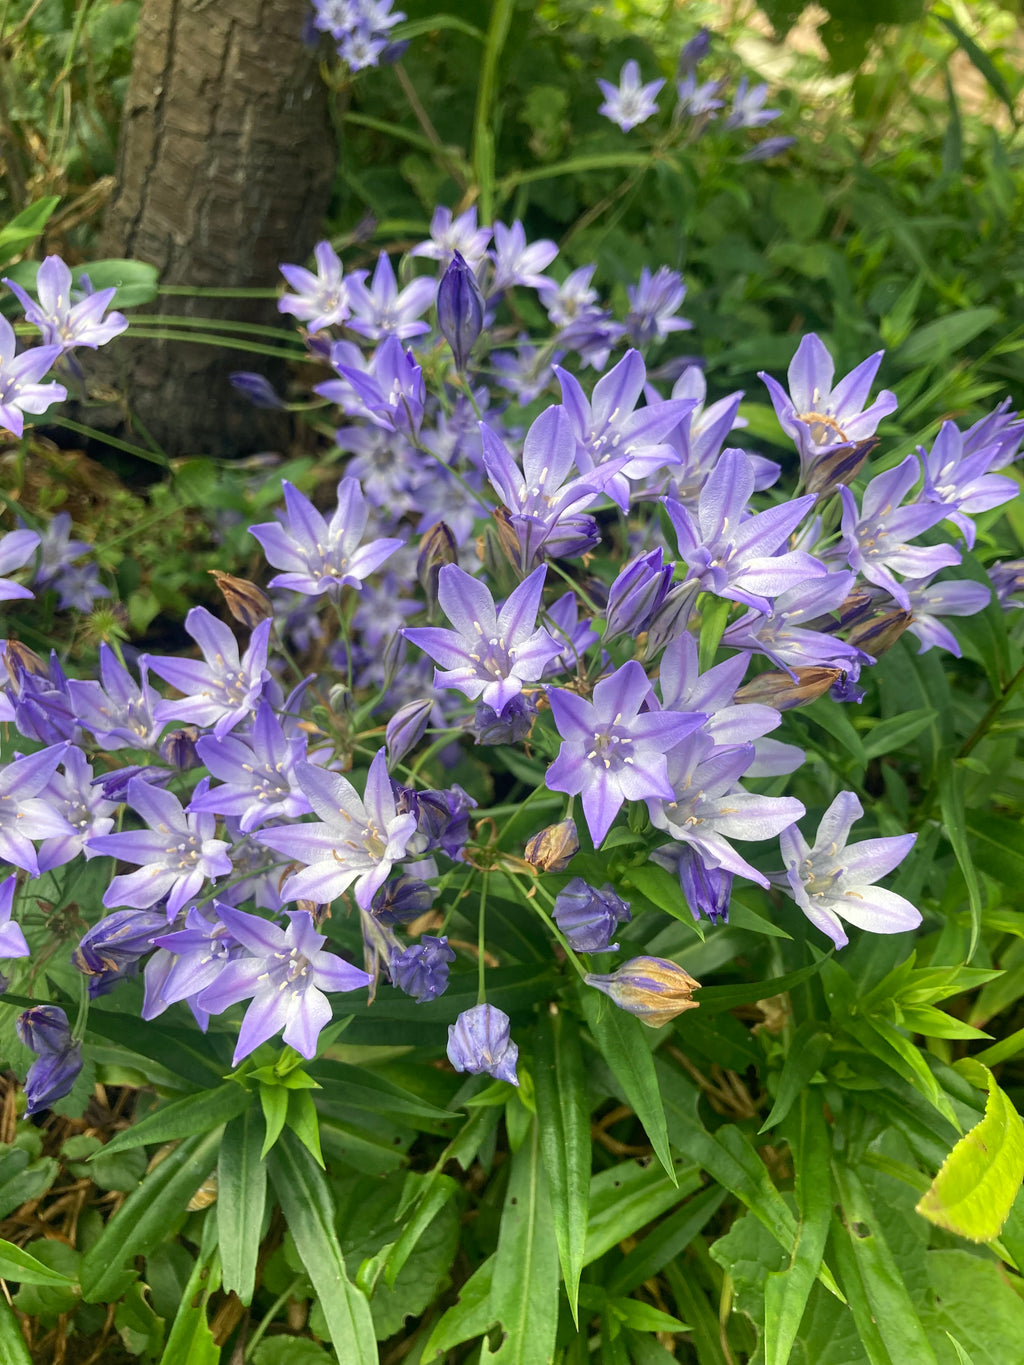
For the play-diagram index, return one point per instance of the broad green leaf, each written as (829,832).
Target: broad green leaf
(442,1189)
(308,1207)
(241,1199)
(944,336)
(190,1338)
(979,1180)
(998,845)
(668,1239)
(892,734)
(892,1309)
(786,1292)
(290,1351)
(182,1118)
(627,1197)
(563,1118)
(620,1040)
(23,229)
(470,1316)
(524,1289)
(804,1056)
(304,1123)
(23,1267)
(951,797)
(662,890)
(13,1350)
(147,1215)
(836,723)
(138,1325)
(972,1300)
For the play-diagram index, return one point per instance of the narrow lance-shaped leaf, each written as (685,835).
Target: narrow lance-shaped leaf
(241,1199)
(183,1118)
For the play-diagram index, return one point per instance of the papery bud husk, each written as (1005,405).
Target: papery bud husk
(783,692)
(876,636)
(652,988)
(179,748)
(839,466)
(672,617)
(18,659)
(437,548)
(406,728)
(552,849)
(507,537)
(245,601)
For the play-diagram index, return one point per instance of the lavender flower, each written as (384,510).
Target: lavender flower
(652,988)
(1007,579)
(516,262)
(25,814)
(353,841)
(629,103)
(258,773)
(16,549)
(111,950)
(834,881)
(45,1030)
(707,889)
(587,917)
(284,973)
(391,393)
(449,234)
(381,311)
(460,309)
(421,970)
(320,556)
(117,711)
(490,653)
(78,587)
(320,300)
(929,601)
(480,1041)
(769,147)
(189,960)
(784,636)
(748,109)
(175,856)
(636,594)
(698,101)
(611,751)
(73,795)
(653,305)
(224,689)
(20,390)
(12,939)
(62,323)
(960,481)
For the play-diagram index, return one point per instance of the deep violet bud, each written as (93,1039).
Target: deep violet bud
(511,725)
(421,970)
(588,917)
(838,466)
(707,889)
(256,387)
(480,1041)
(552,849)
(636,595)
(694,51)
(876,636)
(652,988)
(402,899)
(784,692)
(460,309)
(245,601)
(437,548)
(179,748)
(119,940)
(406,728)
(45,1031)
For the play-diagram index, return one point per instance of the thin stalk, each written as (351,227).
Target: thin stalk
(985,724)
(481,943)
(227,343)
(114,441)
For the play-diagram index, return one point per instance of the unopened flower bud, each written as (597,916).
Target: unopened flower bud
(460,309)
(256,387)
(588,917)
(179,748)
(552,849)
(876,636)
(636,595)
(437,548)
(245,601)
(511,725)
(20,659)
(421,970)
(480,1041)
(652,988)
(838,466)
(406,728)
(507,537)
(783,692)
(45,1030)
(671,618)
(392,658)
(402,899)
(707,889)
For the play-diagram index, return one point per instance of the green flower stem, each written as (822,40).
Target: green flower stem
(154,457)
(481,990)
(985,724)
(552,927)
(227,342)
(269,1316)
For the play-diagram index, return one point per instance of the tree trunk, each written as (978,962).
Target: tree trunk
(224,171)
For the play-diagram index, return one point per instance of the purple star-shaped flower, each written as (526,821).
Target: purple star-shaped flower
(381,310)
(20,390)
(320,300)
(874,539)
(321,556)
(783,636)
(748,109)
(223,689)
(176,855)
(834,881)
(25,814)
(929,601)
(73,795)
(736,556)
(653,304)
(117,710)
(612,751)
(390,393)
(12,939)
(16,549)
(284,973)
(449,234)
(490,653)
(629,103)
(516,262)
(355,840)
(258,773)
(65,324)
(960,481)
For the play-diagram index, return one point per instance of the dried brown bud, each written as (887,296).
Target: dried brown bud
(437,548)
(652,988)
(779,689)
(876,636)
(18,659)
(245,601)
(552,849)
(839,466)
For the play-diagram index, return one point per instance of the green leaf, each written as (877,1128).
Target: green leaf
(147,1215)
(135,281)
(998,846)
(13,1350)
(620,1041)
(470,1316)
(138,1326)
(786,1292)
(628,1197)
(951,798)
(25,227)
(442,1189)
(274,1101)
(715,999)
(979,1180)
(836,723)
(714,617)
(308,1208)
(303,1122)
(804,1057)
(982,61)
(190,1338)
(937,340)
(181,1118)
(892,734)
(241,1199)
(668,1239)
(524,1289)
(19,1265)
(563,1118)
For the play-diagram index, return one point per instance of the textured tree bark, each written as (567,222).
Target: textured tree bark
(225,166)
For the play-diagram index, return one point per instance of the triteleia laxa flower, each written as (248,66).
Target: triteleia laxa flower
(517,262)
(834,881)
(588,916)
(117,710)
(285,973)
(748,109)
(449,234)
(480,1041)
(24,813)
(929,601)
(960,481)
(321,556)
(460,309)
(380,310)
(257,773)
(63,323)
(12,939)
(491,652)
(320,300)
(20,390)
(612,751)
(221,690)
(421,970)
(629,103)
(16,549)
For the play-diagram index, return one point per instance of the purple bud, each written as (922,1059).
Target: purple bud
(460,309)
(672,617)
(512,725)
(119,940)
(259,390)
(45,1031)
(876,636)
(652,988)
(114,784)
(636,595)
(402,899)
(771,146)
(479,1041)
(707,889)
(392,658)
(179,748)
(838,466)
(552,849)
(694,51)
(437,548)
(588,918)
(406,728)
(421,970)
(45,1028)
